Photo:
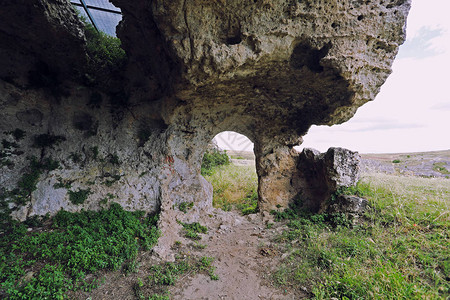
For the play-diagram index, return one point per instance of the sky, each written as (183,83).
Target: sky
(412,111)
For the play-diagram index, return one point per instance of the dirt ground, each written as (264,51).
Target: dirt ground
(242,247)
(243,252)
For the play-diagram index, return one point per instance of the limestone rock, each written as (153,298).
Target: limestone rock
(341,167)
(266,69)
(42,42)
(320,175)
(350,205)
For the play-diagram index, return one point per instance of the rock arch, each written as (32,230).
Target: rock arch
(267,69)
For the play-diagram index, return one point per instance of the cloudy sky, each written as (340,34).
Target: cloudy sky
(412,111)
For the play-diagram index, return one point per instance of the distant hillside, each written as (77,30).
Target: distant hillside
(426,164)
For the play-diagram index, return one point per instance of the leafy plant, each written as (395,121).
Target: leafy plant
(249,205)
(75,245)
(28,181)
(193,229)
(396,161)
(213,158)
(78,197)
(184,206)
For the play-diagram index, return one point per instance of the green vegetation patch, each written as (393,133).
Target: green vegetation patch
(440,167)
(105,54)
(399,250)
(160,277)
(213,158)
(234,186)
(192,230)
(78,197)
(185,206)
(249,204)
(47,264)
(28,181)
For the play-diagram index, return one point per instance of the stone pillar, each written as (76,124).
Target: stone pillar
(276,166)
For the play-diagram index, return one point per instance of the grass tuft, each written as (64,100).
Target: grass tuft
(234,186)
(400,250)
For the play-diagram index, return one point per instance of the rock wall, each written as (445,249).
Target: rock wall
(194,68)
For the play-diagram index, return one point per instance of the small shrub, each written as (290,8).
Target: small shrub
(213,158)
(78,244)
(184,206)
(396,161)
(79,196)
(193,229)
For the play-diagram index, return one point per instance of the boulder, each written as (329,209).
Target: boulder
(350,205)
(320,175)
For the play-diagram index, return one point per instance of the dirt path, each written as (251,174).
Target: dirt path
(243,254)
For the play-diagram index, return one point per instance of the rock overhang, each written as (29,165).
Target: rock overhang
(293,63)
(266,69)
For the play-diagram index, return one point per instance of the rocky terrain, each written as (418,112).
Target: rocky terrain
(88,120)
(425,164)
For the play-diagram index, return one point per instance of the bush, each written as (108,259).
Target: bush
(76,244)
(213,158)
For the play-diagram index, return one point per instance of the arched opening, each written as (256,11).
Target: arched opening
(229,165)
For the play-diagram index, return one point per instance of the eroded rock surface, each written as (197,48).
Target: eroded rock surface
(311,177)
(266,69)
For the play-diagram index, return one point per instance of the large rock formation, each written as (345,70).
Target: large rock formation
(266,69)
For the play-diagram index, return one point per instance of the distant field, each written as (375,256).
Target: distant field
(424,164)
(241,154)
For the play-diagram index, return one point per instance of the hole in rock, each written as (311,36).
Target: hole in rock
(229,165)
(101,14)
(234,40)
(305,55)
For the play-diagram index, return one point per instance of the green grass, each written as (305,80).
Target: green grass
(192,230)
(212,159)
(440,167)
(234,186)
(46,264)
(161,276)
(399,250)
(78,197)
